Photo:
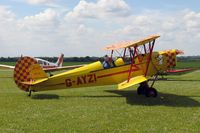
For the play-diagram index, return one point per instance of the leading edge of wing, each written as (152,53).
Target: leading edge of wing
(127,44)
(34,82)
(132,81)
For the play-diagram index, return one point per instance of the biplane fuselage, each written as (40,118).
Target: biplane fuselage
(83,77)
(95,75)
(126,71)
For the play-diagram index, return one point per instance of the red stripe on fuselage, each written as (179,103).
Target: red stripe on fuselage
(112,74)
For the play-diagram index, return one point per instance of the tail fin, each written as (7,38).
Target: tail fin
(60,60)
(36,72)
(27,70)
(37,75)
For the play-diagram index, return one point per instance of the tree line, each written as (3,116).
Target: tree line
(89,59)
(54,59)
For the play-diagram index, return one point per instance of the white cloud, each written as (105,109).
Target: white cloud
(6,14)
(100,9)
(177,30)
(30,35)
(42,21)
(50,32)
(36,2)
(192,21)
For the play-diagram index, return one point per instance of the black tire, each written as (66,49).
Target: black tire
(151,92)
(141,90)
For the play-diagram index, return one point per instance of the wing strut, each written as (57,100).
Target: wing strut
(151,46)
(132,62)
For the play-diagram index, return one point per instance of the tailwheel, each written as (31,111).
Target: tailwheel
(151,92)
(29,94)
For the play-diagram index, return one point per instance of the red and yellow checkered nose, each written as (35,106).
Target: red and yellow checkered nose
(21,72)
(171,57)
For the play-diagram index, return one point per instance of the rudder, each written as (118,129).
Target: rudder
(27,70)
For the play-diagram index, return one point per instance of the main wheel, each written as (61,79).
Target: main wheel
(141,90)
(151,92)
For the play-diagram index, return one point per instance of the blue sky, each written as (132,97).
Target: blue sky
(22,8)
(32,27)
(165,4)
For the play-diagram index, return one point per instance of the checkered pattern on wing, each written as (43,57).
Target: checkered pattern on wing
(171,59)
(21,71)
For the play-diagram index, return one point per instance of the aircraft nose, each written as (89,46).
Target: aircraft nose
(174,52)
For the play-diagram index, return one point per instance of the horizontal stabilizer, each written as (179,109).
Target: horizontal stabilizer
(132,81)
(34,82)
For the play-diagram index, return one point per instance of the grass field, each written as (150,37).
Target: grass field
(188,64)
(102,109)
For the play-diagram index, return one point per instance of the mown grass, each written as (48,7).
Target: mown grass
(102,109)
(188,64)
(8,63)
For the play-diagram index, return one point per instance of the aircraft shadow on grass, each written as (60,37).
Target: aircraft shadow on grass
(45,96)
(163,99)
(133,98)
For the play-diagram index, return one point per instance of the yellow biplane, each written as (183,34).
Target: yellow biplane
(135,65)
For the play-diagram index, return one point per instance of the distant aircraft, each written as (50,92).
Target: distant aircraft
(136,64)
(46,65)
(6,66)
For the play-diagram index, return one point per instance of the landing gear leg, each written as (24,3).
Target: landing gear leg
(29,94)
(144,89)
(155,78)
(152,92)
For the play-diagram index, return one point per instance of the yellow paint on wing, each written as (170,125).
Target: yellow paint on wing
(132,81)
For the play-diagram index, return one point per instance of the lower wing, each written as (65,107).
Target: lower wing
(179,70)
(132,81)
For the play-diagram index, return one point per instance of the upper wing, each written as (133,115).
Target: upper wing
(6,67)
(132,81)
(127,44)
